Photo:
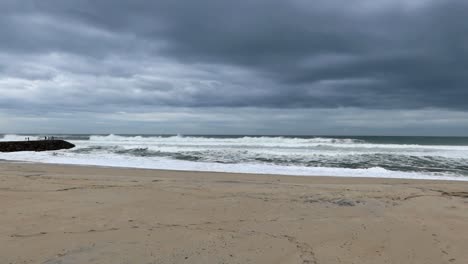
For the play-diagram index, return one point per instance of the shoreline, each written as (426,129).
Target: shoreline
(83,214)
(429,178)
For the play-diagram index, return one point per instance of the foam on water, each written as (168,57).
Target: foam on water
(112,160)
(313,156)
(243,141)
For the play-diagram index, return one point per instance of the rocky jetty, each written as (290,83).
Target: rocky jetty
(35,145)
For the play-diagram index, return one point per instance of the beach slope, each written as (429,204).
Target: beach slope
(71,214)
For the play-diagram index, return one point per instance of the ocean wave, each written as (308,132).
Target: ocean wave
(115,160)
(312,143)
(394,162)
(247,140)
(290,155)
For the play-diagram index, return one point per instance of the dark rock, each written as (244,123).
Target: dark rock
(36,145)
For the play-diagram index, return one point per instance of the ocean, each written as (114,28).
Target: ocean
(351,156)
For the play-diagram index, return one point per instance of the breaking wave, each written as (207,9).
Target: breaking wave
(404,157)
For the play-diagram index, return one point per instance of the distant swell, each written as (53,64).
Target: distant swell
(17,138)
(213,140)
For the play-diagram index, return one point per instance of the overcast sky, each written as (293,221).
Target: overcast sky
(383,67)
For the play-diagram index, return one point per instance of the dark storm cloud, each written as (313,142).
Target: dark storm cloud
(284,54)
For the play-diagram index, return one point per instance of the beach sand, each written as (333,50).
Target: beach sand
(71,214)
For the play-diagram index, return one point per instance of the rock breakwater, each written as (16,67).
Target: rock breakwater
(35,145)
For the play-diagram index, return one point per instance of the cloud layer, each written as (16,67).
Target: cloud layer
(111,56)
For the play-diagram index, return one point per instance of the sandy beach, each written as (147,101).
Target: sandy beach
(74,214)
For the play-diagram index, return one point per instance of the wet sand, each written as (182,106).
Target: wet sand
(75,214)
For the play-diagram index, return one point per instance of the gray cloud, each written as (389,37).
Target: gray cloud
(136,56)
(253,121)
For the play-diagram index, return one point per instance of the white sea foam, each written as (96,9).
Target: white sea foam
(262,141)
(277,145)
(263,155)
(113,160)
(238,141)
